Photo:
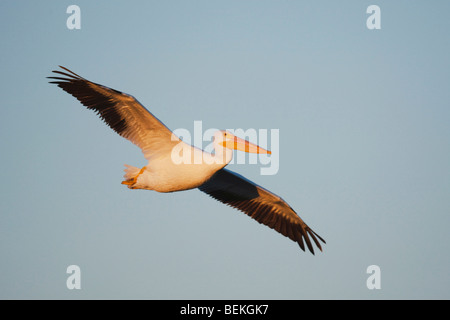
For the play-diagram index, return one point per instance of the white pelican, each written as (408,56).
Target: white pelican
(125,115)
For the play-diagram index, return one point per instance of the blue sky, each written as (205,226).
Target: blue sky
(363,119)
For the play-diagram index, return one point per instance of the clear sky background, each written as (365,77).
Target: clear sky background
(363,117)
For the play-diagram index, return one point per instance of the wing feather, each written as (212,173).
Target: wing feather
(261,205)
(120,111)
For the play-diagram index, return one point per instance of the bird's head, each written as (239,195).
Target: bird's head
(228,140)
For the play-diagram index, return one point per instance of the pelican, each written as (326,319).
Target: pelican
(131,120)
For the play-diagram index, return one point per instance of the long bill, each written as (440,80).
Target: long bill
(244,145)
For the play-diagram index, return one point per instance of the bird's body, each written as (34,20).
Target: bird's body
(176,166)
(162,174)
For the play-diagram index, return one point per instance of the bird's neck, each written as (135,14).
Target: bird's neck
(223,155)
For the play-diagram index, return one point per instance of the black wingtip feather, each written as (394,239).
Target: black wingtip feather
(86,92)
(70,72)
(315,240)
(67,75)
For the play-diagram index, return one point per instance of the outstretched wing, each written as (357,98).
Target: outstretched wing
(261,205)
(122,112)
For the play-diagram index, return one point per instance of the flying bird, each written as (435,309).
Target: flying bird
(131,120)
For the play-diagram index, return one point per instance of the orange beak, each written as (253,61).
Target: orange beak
(243,145)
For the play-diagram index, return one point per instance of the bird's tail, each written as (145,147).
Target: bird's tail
(130,176)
